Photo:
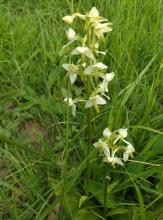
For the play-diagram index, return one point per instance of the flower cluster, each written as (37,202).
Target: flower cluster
(85,51)
(87,68)
(113,144)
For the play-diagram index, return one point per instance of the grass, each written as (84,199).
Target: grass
(33,129)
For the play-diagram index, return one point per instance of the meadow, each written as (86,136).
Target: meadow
(44,150)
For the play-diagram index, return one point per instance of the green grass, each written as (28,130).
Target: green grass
(33,116)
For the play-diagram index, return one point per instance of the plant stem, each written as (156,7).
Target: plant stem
(105,192)
(89,123)
(67,134)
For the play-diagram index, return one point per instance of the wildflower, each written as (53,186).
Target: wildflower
(110,158)
(68,19)
(71,103)
(92,68)
(83,51)
(95,101)
(103,86)
(107,133)
(128,152)
(122,134)
(93,13)
(71,70)
(101,28)
(71,35)
(113,160)
(100,144)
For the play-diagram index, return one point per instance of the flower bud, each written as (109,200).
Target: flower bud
(70,34)
(68,19)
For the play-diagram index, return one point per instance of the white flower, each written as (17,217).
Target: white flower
(103,86)
(93,13)
(128,152)
(95,101)
(112,159)
(71,103)
(107,133)
(71,70)
(68,19)
(84,51)
(101,28)
(71,35)
(92,68)
(100,144)
(122,134)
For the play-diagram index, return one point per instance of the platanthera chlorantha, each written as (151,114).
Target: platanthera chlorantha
(84,49)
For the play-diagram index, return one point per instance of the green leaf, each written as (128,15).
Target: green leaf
(86,215)
(118,211)
(141,201)
(82,200)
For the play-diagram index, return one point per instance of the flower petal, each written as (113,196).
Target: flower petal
(68,19)
(88,104)
(93,12)
(89,54)
(109,76)
(106,151)
(107,132)
(118,161)
(100,66)
(74,110)
(73,77)
(125,156)
(123,132)
(88,70)
(71,35)
(66,66)
(100,100)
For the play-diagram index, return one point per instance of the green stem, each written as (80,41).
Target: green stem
(65,155)
(105,192)
(89,123)
(67,135)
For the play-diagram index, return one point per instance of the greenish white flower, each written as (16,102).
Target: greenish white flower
(103,86)
(101,28)
(72,71)
(128,151)
(68,19)
(93,13)
(95,101)
(98,66)
(100,144)
(107,133)
(71,103)
(111,158)
(83,51)
(71,35)
(122,134)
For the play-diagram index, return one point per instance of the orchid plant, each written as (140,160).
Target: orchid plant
(85,50)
